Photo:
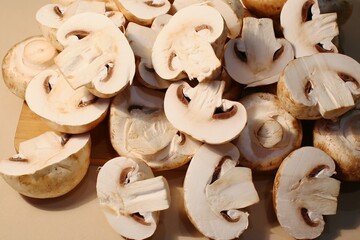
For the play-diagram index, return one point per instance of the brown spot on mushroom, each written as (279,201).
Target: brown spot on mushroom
(181,96)
(278,53)
(152,70)
(308,89)
(182,137)
(217,169)
(316,171)
(47,84)
(146,110)
(18,159)
(308,221)
(240,54)
(139,218)
(171,58)
(203,27)
(152,4)
(228,218)
(65,138)
(80,34)
(347,78)
(110,14)
(58,12)
(124,176)
(109,67)
(88,102)
(321,49)
(306,13)
(220,113)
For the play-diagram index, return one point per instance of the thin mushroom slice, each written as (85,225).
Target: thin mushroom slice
(49,165)
(202,113)
(304,191)
(322,85)
(64,109)
(131,197)
(258,57)
(341,140)
(96,55)
(307,29)
(160,21)
(216,191)
(270,134)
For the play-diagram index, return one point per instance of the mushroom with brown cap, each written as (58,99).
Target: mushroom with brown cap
(96,55)
(270,134)
(131,197)
(216,191)
(304,191)
(258,57)
(264,8)
(49,165)
(321,85)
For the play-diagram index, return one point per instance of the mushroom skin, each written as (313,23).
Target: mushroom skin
(340,139)
(48,166)
(264,8)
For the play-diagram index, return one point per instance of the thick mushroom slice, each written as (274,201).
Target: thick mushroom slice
(322,85)
(258,57)
(160,21)
(308,31)
(202,113)
(96,55)
(341,140)
(304,191)
(49,165)
(216,191)
(64,109)
(131,197)
(190,42)
(270,134)
(24,60)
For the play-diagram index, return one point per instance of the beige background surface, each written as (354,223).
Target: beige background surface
(77,215)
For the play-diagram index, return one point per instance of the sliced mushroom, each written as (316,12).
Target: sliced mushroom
(149,78)
(131,197)
(258,57)
(322,85)
(96,55)
(308,31)
(341,140)
(190,42)
(117,18)
(304,191)
(202,113)
(216,191)
(65,110)
(24,60)
(47,166)
(143,12)
(160,21)
(270,134)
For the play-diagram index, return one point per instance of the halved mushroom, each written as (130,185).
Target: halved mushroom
(24,60)
(190,42)
(341,140)
(49,165)
(143,12)
(258,57)
(322,85)
(270,134)
(216,192)
(308,31)
(202,113)
(140,129)
(64,109)
(304,191)
(96,55)
(131,197)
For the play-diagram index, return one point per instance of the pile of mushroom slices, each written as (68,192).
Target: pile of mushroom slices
(184,82)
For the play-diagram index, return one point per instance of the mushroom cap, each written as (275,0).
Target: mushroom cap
(270,134)
(49,165)
(149,78)
(304,191)
(257,58)
(64,109)
(321,85)
(264,8)
(202,113)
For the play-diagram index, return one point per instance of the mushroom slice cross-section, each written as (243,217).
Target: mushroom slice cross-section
(49,165)
(131,197)
(202,113)
(270,134)
(304,191)
(216,191)
(321,85)
(257,58)
(96,55)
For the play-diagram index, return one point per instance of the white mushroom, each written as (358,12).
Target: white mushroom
(202,113)
(216,191)
(341,140)
(304,191)
(270,134)
(160,21)
(117,18)
(258,57)
(96,55)
(131,197)
(24,60)
(308,31)
(65,110)
(190,42)
(322,85)
(49,165)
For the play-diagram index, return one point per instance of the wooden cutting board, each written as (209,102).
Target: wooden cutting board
(30,125)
